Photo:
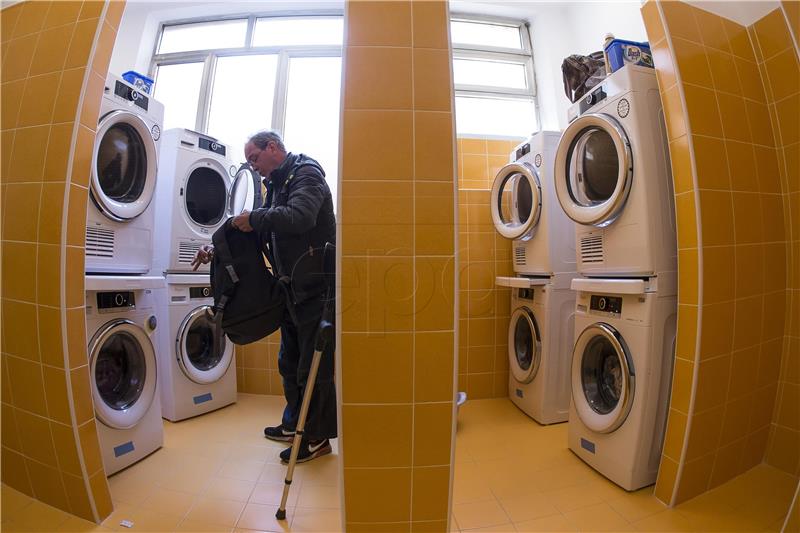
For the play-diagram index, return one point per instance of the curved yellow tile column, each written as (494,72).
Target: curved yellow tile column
(733,245)
(55,58)
(397,273)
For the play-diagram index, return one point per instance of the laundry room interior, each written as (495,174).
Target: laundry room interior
(567,291)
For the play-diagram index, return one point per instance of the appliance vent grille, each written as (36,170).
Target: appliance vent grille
(592,249)
(187,251)
(519,256)
(99,242)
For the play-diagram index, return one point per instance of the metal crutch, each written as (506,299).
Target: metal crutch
(325,334)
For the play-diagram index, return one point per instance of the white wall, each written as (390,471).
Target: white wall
(743,12)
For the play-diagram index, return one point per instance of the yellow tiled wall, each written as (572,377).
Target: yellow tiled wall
(55,57)
(257,367)
(732,248)
(483,255)
(777,58)
(397,271)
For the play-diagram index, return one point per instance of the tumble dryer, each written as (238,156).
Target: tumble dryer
(612,177)
(120,325)
(621,374)
(198,189)
(120,217)
(525,209)
(197,368)
(540,337)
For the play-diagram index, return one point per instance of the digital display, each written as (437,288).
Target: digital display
(200,292)
(115,300)
(606,304)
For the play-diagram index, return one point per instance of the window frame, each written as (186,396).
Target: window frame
(209,58)
(522,55)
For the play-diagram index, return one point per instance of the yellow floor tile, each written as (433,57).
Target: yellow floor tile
(168,502)
(528,507)
(190,526)
(596,518)
(271,494)
(216,511)
(667,520)
(549,524)
(479,514)
(637,505)
(242,469)
(329,520)
(38,517)
(12,501)
(262,517)
(319,496)
(229,489)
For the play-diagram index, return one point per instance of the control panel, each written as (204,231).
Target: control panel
(606,304)
(116,300)
(522,151)
(199,292)
(211,145)
(130,94)
(592,99)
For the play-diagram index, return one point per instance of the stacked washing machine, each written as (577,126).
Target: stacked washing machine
(120,314)
(525,210)
(613,180)
(199,187)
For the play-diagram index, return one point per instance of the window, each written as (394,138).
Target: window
(495,90)
(231,78)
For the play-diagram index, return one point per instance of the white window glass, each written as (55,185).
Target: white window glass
(485,35)
(495,116)
(178,88)
(242,99)
(312,112)
(489,73)
(286,31)
(203,36)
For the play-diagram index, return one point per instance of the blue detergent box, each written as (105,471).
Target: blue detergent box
(621,53)
(139,81)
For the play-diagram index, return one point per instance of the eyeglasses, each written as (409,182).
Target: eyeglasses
(254,157)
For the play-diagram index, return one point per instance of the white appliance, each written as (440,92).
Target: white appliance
(540,336)
(120,325)
(612,177)
(621,375)
(197,377)
(525,209)
(120,218)
(199,187)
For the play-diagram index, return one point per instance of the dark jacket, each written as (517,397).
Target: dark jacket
(295,223)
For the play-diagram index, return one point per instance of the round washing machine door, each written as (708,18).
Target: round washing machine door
(122,363)
(205,194)
(245,191)
(524,345)
(603,378)
(594,169)
(123,165)
(516,201)
(199,356)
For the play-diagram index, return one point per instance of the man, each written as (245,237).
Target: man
(295,223)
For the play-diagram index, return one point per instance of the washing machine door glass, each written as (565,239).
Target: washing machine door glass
(123,370)
(524,345)
(123,166)
(593,170)
(516,201)
(199,356)
(244,194)
(206,194)
(603,378)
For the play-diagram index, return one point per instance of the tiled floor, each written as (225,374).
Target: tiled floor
(515,475)
(216,473)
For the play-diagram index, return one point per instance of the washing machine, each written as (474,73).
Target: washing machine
(120,325)
(540,337)
(525,209)
(621,374)
(612,177)
(198,372)
(120,214)
(199,187)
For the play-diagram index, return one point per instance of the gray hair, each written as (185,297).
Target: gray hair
(262,138)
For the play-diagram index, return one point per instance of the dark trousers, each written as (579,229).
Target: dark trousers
(298,335)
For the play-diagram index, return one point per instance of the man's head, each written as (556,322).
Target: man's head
(265,152)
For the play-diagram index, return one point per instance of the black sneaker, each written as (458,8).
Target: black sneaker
(279,433)
(308,451)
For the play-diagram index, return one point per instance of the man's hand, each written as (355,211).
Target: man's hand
(203,256)
(242,222)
